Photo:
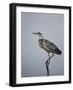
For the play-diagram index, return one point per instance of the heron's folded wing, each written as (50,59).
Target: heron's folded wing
(48,45)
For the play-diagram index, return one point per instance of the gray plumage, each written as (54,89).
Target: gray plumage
(48,46)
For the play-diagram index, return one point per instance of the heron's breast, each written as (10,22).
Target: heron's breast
(41,43)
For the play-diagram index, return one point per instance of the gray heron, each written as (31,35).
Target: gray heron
(49,47)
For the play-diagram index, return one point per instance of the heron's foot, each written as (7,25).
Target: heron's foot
(47,62)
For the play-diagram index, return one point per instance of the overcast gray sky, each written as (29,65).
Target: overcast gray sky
(32,56)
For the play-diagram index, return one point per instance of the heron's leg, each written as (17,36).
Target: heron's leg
(47,65)
(50,57)
(48,62)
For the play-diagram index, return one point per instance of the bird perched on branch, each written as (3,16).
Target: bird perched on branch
(48,46)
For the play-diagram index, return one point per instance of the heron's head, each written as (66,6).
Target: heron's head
(39,34)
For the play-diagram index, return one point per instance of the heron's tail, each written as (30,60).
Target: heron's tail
(58,51)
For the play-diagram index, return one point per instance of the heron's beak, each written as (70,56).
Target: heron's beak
(34,33)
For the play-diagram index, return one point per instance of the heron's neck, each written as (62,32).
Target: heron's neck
(41,37)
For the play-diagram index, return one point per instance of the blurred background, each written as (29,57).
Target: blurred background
(33,58)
